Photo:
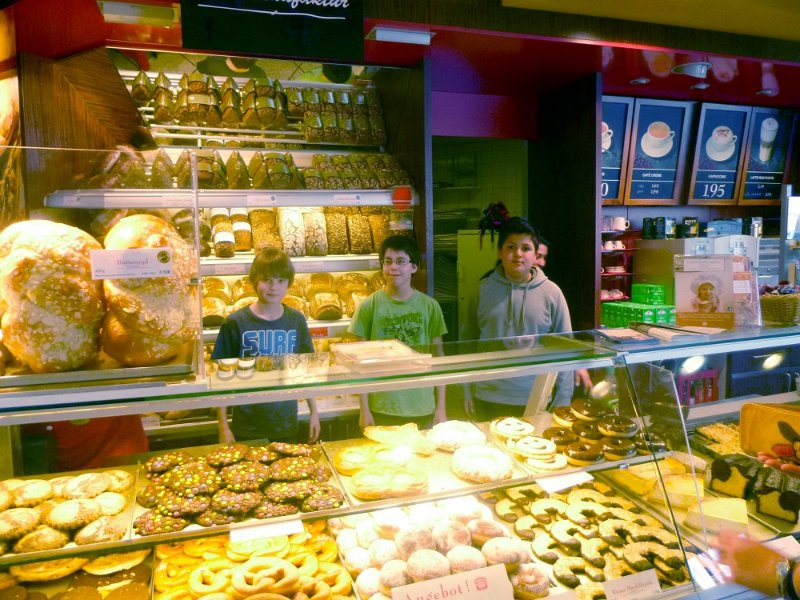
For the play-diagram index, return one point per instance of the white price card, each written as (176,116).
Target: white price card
(639,586)
(134,263)
(256,200)
(255,532)
(346,198)
(226,268)
(786,546)
(480,584)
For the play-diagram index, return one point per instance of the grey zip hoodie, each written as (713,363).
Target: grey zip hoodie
(508,309)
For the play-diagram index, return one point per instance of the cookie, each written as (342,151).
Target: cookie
(293,468)
(72,514)
(87,485)
(237,503)
(174,504)
(104,529)
(31,493)
(151,522)
(16,522)
(290,491)
(120,480)
(213,517)
(41,538)
(45,507)
(262,454)
(245,476)
(226,455)
(268,510)
(82,592)
(324,497)
(193,478)
(288,449)
(150,494)
(168,460)
(111,503)
(59,485)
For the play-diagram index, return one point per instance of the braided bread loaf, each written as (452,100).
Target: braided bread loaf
(51,309)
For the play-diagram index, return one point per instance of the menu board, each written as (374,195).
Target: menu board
(767,152)
(658,151)
(617,116)
(718,154)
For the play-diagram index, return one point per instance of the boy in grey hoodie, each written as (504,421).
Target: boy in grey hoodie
(515,299)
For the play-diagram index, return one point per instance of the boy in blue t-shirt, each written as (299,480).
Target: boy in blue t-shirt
(266,328)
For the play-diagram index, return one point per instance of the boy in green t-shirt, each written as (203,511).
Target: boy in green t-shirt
(401,313)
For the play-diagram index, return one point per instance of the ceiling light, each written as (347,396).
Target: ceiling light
(771,361)
(140,14)
(701,86)
(693,69)
(767,92)
(401,36)
(692,364)
(640,81)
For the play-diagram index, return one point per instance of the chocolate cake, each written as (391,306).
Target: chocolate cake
(733,474)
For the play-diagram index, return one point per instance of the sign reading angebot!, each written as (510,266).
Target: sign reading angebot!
(317,29)
(137,263)
(489,582)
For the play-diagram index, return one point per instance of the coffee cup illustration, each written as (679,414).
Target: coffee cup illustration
(722,138)
(659,134)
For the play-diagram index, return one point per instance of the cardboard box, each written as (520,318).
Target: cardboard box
(716,290)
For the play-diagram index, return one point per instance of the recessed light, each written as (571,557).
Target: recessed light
(640,81)
(767,92)
(701,86)
(693,69)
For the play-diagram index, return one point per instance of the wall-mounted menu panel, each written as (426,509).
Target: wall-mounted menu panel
(656,162)
(614,145)
(718,154)
(767,153)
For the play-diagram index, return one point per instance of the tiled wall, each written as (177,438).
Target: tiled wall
(480,171)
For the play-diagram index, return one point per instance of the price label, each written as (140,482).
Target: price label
(243,534)
(639,586)
(227,269)
(562,482)
(176,201)
(136,263)
(488,582)
(254,201)
(70,201)
(347,198)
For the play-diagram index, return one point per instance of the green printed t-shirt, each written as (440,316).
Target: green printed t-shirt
(415,322)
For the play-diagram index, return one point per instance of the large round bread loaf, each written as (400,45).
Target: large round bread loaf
(150,318)
(51,309)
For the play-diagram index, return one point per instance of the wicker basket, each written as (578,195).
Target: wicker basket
(783,308)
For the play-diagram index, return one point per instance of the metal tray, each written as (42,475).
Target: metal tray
(104,368)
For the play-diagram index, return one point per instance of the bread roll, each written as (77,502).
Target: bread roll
(293,231)
(316,233)
(149,318)
(51,307)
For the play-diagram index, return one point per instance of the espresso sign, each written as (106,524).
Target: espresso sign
(614,128)
(767,154)
(658,149)
(718,154)
(331,30)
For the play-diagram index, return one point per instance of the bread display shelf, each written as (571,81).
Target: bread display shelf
(175,198)
(332,263)
(104,368)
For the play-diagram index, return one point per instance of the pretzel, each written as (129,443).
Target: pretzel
(306,563)
(176,593)
(205,547)
(166,550)
(318,591)
(265,574)
(169,576)
(329,551)
(210,578)
(336,577)
(216,596)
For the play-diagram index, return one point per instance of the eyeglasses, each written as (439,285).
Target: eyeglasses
(396,261)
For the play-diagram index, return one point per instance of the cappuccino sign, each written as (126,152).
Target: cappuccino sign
(718,154)
(326,30)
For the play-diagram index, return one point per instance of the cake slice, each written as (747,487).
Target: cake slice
(733,475)
(682,491)
(777,494)
(718,514)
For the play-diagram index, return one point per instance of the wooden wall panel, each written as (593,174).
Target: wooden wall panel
(565,203)
(78,102)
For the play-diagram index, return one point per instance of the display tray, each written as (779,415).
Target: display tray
(104,368)
(442,482)
(196,530)
(123,519)
(379,355)
(104,584)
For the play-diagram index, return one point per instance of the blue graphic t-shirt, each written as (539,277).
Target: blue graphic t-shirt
(243,335)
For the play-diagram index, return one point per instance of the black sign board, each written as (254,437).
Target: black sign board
(325,30)
(614,128)
(767,155)
(718,154)
(658,151)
